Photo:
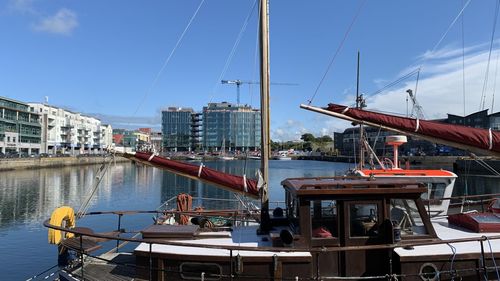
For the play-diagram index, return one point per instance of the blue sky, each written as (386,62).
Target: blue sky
(103,57)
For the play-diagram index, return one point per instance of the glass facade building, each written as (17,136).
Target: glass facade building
(231,127)
(20,129)
(177,129)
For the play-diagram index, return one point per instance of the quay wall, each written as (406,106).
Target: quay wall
(51,162)
(429,162)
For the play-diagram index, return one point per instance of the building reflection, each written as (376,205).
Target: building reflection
(30,196)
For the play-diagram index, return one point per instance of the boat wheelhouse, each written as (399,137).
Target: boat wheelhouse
(439,185)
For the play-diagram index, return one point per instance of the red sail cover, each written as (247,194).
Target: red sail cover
(231,182)
(480,138)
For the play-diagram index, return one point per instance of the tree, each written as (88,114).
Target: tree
(308,137)
(325,139)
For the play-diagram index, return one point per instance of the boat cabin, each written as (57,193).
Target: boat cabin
(347,213)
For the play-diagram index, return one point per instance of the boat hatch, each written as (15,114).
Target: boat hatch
(477,222)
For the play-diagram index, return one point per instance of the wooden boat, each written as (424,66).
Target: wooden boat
(333,228)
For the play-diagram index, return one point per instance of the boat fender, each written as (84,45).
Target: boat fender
(63,217)
(286,237)
(429,272)
(239,264)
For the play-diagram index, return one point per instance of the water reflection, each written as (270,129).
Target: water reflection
(28,196)
(172,185)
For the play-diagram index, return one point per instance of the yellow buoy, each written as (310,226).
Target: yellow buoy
(61,215)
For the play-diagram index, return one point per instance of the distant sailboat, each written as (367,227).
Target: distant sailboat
(223,155)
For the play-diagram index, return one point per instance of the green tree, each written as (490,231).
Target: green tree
(308,137)
(325,139)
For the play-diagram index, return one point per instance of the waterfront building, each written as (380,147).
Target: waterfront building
(64,131)
(106,135)
(20,129)
(231,127)
(478,119)
(156,141)
(176,127)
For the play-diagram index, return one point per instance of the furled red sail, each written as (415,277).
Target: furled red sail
(472,139)
(247,187)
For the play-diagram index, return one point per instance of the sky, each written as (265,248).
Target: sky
(125,61)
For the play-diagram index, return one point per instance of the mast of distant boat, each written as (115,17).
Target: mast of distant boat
(264,111)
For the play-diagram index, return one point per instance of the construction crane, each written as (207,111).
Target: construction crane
(417,110)
(239,82)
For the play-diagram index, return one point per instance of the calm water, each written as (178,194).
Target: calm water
(28,197)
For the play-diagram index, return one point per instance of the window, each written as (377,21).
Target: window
(8,139)
(324,219)
(363,219)
(404,214)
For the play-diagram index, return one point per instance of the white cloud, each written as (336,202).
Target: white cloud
(63,22)
(440,90)
(22,6)
(291,130)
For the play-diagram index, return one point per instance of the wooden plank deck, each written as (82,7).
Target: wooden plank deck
(96,270)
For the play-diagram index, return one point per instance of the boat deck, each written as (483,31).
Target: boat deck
(239,237)
(122,268)
(446,231)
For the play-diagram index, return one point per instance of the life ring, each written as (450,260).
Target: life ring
(63,217)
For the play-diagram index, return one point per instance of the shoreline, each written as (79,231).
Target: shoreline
(51,162)
(452,163)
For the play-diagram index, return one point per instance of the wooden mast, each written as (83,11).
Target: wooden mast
(264,111)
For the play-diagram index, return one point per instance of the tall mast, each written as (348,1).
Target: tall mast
(264,111)
(359,105)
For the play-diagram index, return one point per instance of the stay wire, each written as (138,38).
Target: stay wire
(43,272)
(449,27)
(486,76)
(255,60)
(418,70)
(463,58)
(233,50)
(338,50)
(167,60)
(397,81)
(494,84)
(493,258)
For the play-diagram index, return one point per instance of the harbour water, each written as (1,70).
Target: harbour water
(27,198)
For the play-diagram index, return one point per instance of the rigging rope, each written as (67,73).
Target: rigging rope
(397,81)
(494,84)
(449,28)
(233,50)
(338,50)
(463,59)
(99,175)
(486,76)
(165,63)
(493,258)
(417,70)
(255,60)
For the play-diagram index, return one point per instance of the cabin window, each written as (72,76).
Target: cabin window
(194,270)
(436,191)
(324,219)
(363,219)
(404,213)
